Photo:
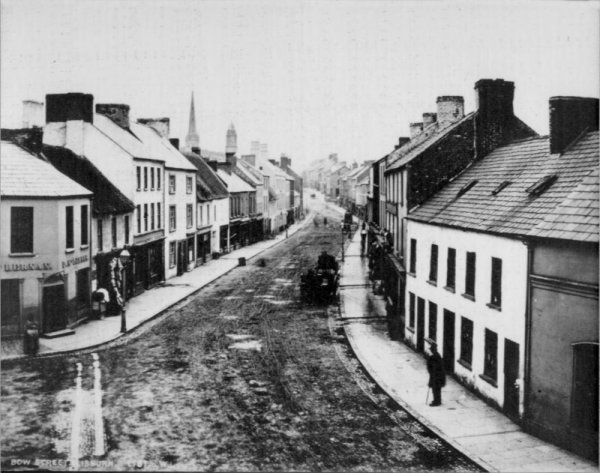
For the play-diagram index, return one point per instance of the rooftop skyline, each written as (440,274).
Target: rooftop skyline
(309,78)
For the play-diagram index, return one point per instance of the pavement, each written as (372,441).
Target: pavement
(149,304)
(465,421)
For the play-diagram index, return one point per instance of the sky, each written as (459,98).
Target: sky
(308,78)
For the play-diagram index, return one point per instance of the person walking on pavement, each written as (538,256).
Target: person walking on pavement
(363,239)
(437,377)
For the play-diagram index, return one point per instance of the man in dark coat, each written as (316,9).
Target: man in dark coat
(437,377)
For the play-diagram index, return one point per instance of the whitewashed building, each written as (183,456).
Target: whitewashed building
(45,245)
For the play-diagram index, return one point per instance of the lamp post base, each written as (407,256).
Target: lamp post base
(123,321)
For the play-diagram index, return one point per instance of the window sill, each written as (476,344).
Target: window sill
(494,306)
(430,340)
(432,283)
(414,275)
(145,189)
(450,289)
(139,189)
(171,192)
(171,230)
(410,329)
(489,380)
(22,255)
(70,250)
(464,364)
(469,296)
(84,247)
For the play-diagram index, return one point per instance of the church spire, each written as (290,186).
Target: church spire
(231,141)
(192,140)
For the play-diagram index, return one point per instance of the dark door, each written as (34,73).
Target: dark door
(420,323)
(154,263)
(55,317)
(181,257)
(10,307)
(511,374)
(449,328)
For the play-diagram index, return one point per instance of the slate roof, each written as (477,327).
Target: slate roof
(428,137)
(161,148)
(108,199)
(576,218)
(254,175)
(23,174)
(234,183)
(208,185)
(513,211)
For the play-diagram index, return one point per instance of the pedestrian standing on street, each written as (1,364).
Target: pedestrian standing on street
(363,239)
(437,377)
(325,221)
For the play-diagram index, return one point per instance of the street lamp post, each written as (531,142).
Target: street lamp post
(124,257)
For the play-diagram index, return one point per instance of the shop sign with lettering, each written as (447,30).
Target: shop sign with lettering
(28,267)
(75,261)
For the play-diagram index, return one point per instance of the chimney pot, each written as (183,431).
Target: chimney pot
(161,125)
(117,112)
(33,114)
(569,117)
(67,107)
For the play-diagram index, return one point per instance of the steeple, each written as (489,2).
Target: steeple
(192,140)
(231,143)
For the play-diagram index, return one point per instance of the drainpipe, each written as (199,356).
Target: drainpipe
(527,349)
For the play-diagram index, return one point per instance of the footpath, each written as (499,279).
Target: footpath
(150,303)
(465,421)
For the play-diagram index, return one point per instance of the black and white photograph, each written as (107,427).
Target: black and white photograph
(299,236)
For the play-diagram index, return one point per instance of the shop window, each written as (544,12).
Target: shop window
(584,399)
(10,306)
(433,264)
(432,321)
(172,219)
(470,275)
(466,341)
(84,225)
(451,269)
(490,362)
(21,229)
(69,234)
(413,256)
(172,254)
(496,292)
(411,310)
(189,215)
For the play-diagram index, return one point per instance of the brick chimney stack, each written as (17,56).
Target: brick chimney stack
(494,114)
(402,141)
(33,114)
(429,119)
(450,109)
(117,112)
(415,129)
(69,107)
(161,125)
(569,117)
(285,162)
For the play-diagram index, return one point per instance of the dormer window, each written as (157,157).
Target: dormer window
(542,185)
(466,187)
(501,186)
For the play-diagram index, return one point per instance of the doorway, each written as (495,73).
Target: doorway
(181,257)
(420,323)
(511,374)
(10,307)
(448,351)
(53,305)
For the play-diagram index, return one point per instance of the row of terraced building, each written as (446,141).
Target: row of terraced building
(489,248)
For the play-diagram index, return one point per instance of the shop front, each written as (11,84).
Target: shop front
(148,261)
(203,245)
